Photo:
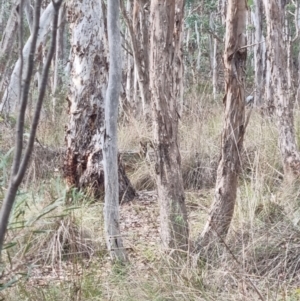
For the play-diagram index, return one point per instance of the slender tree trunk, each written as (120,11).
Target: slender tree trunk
(138,32)
(297,25)
(214,18)
(282,95)
(215,69)
(7,42)
(258,53)
(198,66)
(234,125)
(269,92)
(20,163)
(110,147)
(59,55)
(165,82)
(29,14)
(11,96)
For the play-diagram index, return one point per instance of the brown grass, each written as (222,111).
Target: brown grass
(57,249)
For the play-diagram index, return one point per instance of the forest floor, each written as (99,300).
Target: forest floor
(56,249)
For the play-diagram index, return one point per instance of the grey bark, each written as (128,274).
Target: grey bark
(83,164)
(29,14)
(140,45)
(20,164)
(11,96)
(7,42)
(283,98)
(110,148)
(59,55)
(259,56)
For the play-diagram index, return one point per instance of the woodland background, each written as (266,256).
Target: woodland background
(56,245)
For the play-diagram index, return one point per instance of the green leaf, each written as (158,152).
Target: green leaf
(8,284)
(9,245)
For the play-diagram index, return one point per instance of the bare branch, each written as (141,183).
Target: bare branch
(42,91)
(25,91)
(16,179)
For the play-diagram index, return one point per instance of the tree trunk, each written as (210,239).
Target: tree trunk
(29,14)
(110,148)
(83,164)
(138,31)
(10,98)
(234,125)
(21,159)
(282,95)
(165,81)
(7,42)
(258,53)
(297,25)
(215,69)
(59,55)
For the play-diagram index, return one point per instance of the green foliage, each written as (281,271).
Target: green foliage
(250,3)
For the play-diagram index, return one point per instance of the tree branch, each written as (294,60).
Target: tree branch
(19,170)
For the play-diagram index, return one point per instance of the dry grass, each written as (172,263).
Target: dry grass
(57,252)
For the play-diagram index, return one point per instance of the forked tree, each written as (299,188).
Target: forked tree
(166,66)
(283,102)
(235,55)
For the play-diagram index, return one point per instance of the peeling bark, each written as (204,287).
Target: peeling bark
(235,56)
(166,84)
(280,84)
(83,164)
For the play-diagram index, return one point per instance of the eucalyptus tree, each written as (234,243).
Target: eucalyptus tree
(259,54)
(235,55)
(10,99)
(166,71)
(137,21)
(283,96)
(21,158)
(83,163)
(8,40)
(110,149)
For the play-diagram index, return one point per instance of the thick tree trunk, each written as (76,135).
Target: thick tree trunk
(165,82)
(282,95)
(83,165)
(234,125)
(110,147)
